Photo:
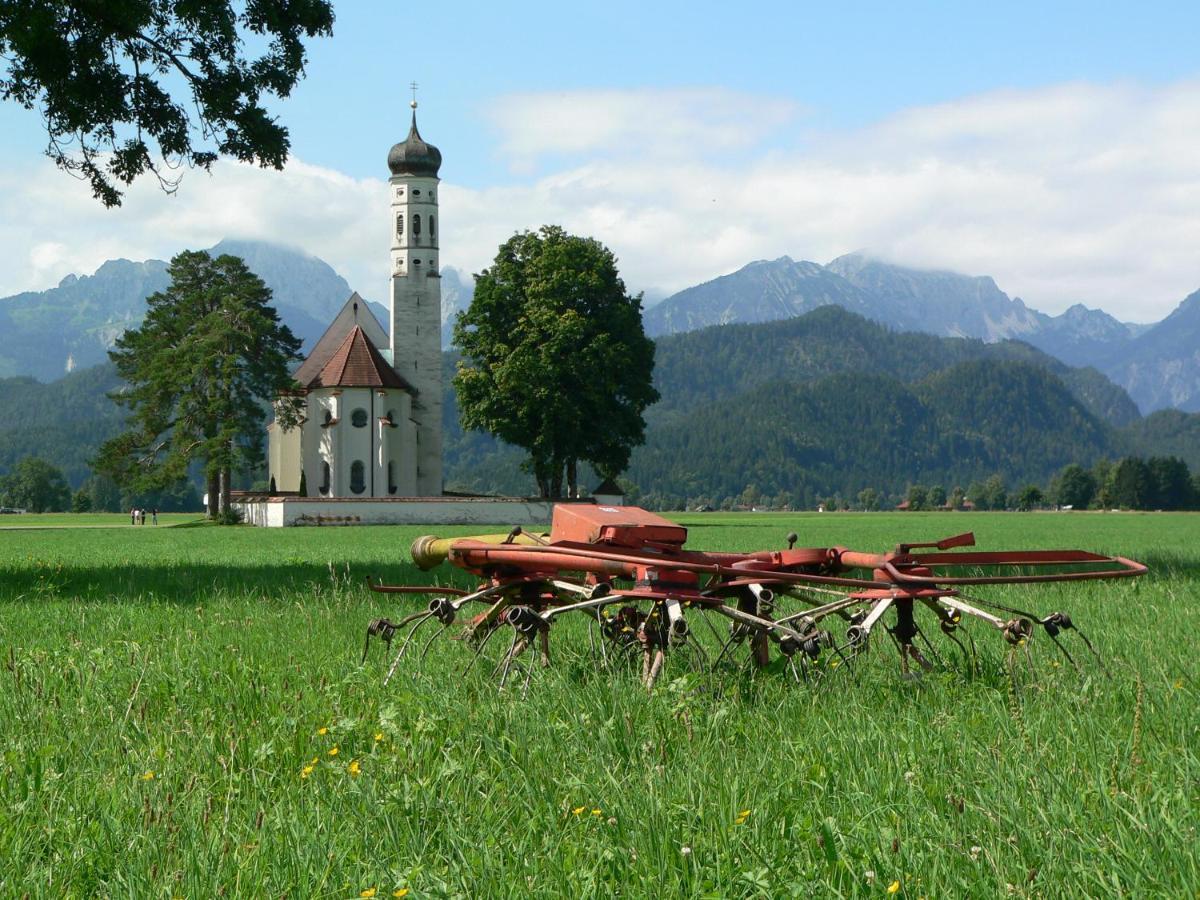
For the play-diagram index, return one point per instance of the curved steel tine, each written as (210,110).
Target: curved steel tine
(929,644)
(1065,652)
(528,675)
(479,649)
(517,648)
(1095,653)
(429,643)
(424,617)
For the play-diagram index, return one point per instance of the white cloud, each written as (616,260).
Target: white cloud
(1074,192)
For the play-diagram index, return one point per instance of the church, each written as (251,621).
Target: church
(372,401)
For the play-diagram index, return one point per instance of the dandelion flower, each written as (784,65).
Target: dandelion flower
(378,738)
(894,887)
(306,771)
(149,776)
(685,850)
(322,730)
(367,892)
(596,812)
(577,810)
(1179,684)
(353,768)
(400,892)
(333,751)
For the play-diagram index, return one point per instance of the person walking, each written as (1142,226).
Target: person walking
(133,515)
(154,516)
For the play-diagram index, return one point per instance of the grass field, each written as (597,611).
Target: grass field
(186,715)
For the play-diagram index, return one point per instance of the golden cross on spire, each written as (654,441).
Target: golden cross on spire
(413,85)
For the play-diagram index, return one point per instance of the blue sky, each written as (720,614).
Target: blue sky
(1049,145)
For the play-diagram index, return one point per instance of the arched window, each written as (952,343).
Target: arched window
(392,486)
(432,227)
(416,224)
(399,224)
(324,478)
(358,418)
(358,482)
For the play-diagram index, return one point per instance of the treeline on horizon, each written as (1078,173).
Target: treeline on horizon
(815,409)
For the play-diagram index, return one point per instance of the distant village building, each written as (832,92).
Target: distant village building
(372,401)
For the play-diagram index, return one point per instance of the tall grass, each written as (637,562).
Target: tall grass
(173,700)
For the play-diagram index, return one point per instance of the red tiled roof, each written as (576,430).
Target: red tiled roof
(356,363)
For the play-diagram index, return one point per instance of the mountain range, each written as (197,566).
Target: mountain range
(1159,365)
(791,378)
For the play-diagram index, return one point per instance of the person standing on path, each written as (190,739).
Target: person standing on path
(154,516)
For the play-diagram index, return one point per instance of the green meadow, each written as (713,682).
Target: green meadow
(186,714)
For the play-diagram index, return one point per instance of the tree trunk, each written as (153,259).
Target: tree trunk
(572,479)
(226,487)
(214,494)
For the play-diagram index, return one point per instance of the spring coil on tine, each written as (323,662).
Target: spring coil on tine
(384,629)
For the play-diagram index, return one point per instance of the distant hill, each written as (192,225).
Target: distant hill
(1157,365)
(828,402)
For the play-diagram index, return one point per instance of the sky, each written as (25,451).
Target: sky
(1055,147)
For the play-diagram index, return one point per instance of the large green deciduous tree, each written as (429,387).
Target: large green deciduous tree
(555,359)
(35,485)
(133,86)
(210,350)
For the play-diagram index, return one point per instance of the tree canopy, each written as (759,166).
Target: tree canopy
(555,359)
(133,86)
(35,485)
(209,351)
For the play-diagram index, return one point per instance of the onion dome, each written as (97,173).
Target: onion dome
(413,156)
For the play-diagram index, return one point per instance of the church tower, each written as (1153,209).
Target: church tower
(417,295)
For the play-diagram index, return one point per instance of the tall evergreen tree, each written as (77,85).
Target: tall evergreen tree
(555,359)
(209,352)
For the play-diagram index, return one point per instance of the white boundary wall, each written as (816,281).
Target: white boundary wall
(277,512)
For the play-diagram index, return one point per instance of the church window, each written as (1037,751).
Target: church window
(392,486)
(416,192)
(432,227)
(325,478)
(399,192)
(416,262)
(358,418)
(358,482)
(416,224)
(328,417)
(399,224)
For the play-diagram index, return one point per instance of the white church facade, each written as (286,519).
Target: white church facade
(368,449)
(372,400)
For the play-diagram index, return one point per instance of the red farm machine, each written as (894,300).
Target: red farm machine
(643,596)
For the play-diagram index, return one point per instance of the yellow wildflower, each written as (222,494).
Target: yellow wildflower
(367,892)
(316,759)
(400,892)
(893,887)
(742,817)
(1179,684)
(149,776)
(333,751)
(322,730)
(378,736)
(595,812)
(353,768)
(577,810)
(306,771)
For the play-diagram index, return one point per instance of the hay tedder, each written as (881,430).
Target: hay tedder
(644,597)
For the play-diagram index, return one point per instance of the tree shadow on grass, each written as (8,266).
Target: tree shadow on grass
(194,583)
